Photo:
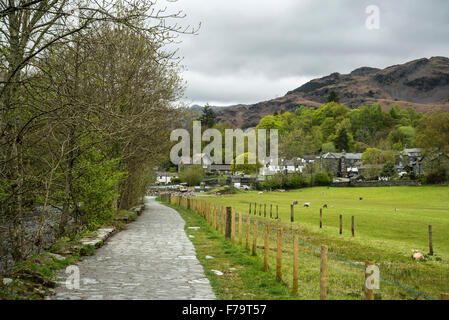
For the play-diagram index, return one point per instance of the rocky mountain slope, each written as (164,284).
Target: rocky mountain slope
(422,84)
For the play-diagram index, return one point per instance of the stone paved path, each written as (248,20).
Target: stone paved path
(152,260)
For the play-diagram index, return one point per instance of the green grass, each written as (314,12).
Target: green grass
(247,281)
(383,235)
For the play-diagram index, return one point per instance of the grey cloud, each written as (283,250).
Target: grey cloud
(252,50)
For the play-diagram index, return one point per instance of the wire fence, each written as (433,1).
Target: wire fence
(262,231)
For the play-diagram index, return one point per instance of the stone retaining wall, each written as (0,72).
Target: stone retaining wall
(392,183)
(30,223)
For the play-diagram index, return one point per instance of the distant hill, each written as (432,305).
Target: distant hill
(422,84)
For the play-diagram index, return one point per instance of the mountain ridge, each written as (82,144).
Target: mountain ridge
(422,84)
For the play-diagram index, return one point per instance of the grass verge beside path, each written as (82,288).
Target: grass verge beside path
(243,276)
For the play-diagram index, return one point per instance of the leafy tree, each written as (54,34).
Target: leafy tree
(328,147)
(342,140)
(433,135)
(372,156)
(86,107)
(333,97)
(323,178)
(328,128)
(246,167)
(300,142)
(402,137)
(388,170)
(295,180)
(433,131)
(192,175)
(360,147)
(208,118)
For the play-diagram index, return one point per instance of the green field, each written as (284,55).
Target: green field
(389,223)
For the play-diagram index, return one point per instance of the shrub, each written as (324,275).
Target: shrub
(282,181)
(193,175)
(245,167)
(436,177)
(295,180)
(274,182)
(388,170)
(322,179)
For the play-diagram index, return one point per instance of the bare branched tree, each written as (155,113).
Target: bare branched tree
(57,105)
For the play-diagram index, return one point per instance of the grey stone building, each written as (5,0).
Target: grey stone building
(340,164)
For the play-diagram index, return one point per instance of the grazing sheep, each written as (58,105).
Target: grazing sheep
(361,198)
(261,192)
(307,205)
(325,206)
(417,256)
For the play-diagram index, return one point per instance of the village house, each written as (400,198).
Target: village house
(341,164)
(410,160)
(284,166)
(420,162)
(165,178)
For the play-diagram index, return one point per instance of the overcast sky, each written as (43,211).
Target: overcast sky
(249,51)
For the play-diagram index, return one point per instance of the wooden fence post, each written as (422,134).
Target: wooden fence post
(271,211)
(240,228)
(223,221)
(323,273)
(255,208)
(265,210)
(321,218)
(430,241)
(211,214)
(369,292)
(266,247)
(445,296)
(255,237)
(233,226)
(228,230)
(260,210)
(341,224)
(353,226)
(248,225)
(292,213)
(279,257)
(295,264)
(217,219)
(250,208)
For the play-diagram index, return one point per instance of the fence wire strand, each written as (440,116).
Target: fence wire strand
(352,264)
